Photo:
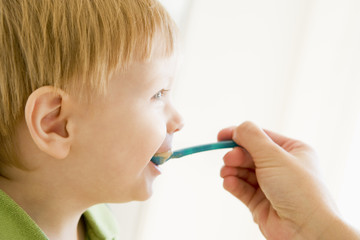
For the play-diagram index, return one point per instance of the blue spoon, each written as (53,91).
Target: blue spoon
(161,158)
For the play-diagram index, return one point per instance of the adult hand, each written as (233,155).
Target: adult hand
(277,179)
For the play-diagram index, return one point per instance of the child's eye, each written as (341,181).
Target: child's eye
(160,94)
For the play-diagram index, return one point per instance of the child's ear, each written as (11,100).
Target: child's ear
(47,119)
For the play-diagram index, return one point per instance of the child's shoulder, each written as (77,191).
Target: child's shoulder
(17,224)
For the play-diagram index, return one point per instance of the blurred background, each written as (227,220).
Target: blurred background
(292,66)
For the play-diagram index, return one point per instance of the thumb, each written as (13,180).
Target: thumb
(259,145)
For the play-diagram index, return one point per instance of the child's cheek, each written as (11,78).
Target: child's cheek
(156,136)
(144,130)
(151,133)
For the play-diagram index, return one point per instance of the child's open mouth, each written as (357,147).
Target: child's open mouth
(164,152)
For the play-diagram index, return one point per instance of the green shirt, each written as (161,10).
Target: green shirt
(16,224)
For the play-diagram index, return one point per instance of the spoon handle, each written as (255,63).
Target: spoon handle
(202,148)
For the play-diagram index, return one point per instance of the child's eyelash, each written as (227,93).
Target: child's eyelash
(160,94)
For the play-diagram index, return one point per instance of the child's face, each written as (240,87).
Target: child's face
(118,135)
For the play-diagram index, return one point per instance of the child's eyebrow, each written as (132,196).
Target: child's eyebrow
(162,78)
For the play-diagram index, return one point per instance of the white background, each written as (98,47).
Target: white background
(292,66)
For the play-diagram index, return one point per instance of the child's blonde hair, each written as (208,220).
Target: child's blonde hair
(73,45)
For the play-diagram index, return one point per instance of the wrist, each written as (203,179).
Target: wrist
(339,229)
(316,225)
(326,225)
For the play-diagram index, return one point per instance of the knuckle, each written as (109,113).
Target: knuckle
(244,129)
(247,125)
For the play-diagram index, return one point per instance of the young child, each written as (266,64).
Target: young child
(85,103)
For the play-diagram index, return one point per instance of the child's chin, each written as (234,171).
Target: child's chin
(143,198)
(143,194)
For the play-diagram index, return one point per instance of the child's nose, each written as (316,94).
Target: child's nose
(175,123)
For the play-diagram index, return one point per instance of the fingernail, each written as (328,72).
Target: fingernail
(234,134)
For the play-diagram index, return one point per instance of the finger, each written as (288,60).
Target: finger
(243,173)
(255,141)
(277,138)
(239,188)
(286,143)
(238,157)
(225,134)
